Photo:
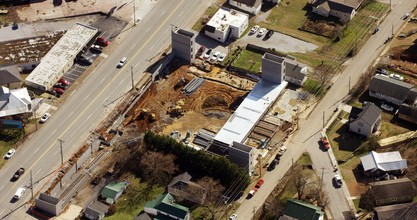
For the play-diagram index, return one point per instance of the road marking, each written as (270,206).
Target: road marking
(38,171)
(147,29)
(102,79)
(89,116)
(86,97)
(70,114)
(36,150)
(53,132)
(106,87)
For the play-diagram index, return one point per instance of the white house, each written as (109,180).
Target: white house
(383,162)
(343,9)
(13,102)
(226,23)
(250,6)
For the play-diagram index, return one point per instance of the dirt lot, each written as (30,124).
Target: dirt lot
(402,56)
(208,107)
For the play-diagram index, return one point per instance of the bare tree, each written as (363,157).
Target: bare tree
(158,167)
(212,193)
(300,183)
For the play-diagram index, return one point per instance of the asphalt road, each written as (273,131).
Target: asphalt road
(92,101)
(307,137)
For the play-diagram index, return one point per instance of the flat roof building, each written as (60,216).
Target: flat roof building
(61,57)
(226,23)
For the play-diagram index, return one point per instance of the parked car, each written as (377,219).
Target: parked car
(19,193)
(45,117)
(325,143)
(381,71)
(396,76)
(60,85)
(58,91)
(233,217)
(9,153)
(375,31)
(338,180)
(102,41)
(282,150)
(221,57)
(254,29)
(96,48)
(272,165)
(18,173)
(122,62)
(15,26)
(259,183)
(200,51)
(214,56)
(387,107)
(405,16)
(252,192)
(208,53)
(268,34)
(261,32)
(64,82)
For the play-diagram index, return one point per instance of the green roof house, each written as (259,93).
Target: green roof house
(164,207)
(303,211)
(112,191)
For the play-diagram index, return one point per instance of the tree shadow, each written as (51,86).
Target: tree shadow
(347,140)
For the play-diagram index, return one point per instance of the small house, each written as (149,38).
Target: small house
(182,187)
(164,207)
(298,209)
(250,6)
(392,191)
(397,211)
(342,9)
(391,90)
(10,77)
(365,121)
(113,191)
(376,164)
(96,211)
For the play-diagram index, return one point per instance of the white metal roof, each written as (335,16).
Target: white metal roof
(13,102)
(225,17)
(53,63)
(250,111)
(384,161)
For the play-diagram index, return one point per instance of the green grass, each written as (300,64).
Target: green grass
(249,60)
(356,203)
(312,86)
(8,138)
(304,159)
(415,199)
(133,199)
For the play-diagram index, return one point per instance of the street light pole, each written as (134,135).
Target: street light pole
(131,75)
(134,12)
(61,142)
(31,183)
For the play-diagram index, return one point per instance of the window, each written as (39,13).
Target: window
(360,124)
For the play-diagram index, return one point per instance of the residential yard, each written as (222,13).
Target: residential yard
(8,138)
(133,199)
(249,60)
(313,86)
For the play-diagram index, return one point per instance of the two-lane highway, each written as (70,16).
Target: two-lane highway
(94,99)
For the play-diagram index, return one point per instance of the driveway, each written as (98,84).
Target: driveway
(280,42)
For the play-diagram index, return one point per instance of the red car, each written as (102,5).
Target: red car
(102,41)
(200,51)
(58,90)
(325,143)
(64,82)
(259,183)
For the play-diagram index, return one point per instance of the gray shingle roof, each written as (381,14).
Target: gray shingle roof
(9,74)
(398,211)
(293,69)
(369,114)
(392,188)
(390,87)
(250,3)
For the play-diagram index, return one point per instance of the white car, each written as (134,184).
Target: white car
(208,53)
(254,29)
(44,117)
(338,180)
(9,153)
(221,57)
(261,32)
(282,150)
(233,217)
(214,56)
(19,193)
(122,62)
(396,76)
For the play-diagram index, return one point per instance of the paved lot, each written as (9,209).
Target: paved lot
(280,42)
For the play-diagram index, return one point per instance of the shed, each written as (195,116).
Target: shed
(113,190)
(96,211)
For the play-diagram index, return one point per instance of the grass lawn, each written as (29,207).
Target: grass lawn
(133,199)
(8,137)
(288,17)
(304,159)
(249,60)
(312,86)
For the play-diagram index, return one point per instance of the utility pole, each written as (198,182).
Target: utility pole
(31,182)
(392,31)
(349,86)
(260,165)
(323,119)
(134,12)
(131,76)
(61,142)
(322,175)
(34,115)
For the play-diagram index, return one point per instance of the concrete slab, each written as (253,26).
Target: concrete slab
(71,213)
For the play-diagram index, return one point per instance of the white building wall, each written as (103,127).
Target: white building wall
(218,35)
(246,8)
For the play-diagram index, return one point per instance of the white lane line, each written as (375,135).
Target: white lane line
(86,97)
(102,80)
(37,150)
(53,132)
(89,116)
(70,114)
(1,211)
(37,172)
(163,12)
(147,30)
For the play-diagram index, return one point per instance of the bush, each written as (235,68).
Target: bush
(197,163)
(112,209)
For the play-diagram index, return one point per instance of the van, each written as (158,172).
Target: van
(19,193)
